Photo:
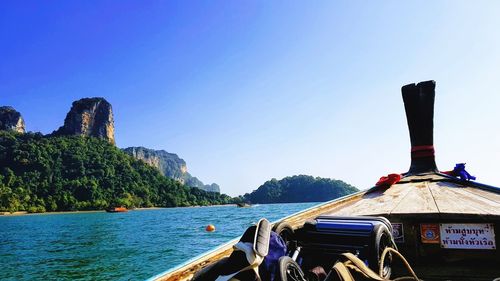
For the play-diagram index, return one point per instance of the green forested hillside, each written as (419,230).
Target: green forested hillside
(41,173)
(299,189)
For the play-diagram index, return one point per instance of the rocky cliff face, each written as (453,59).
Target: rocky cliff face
(170,165)
(89,117)
(10,119)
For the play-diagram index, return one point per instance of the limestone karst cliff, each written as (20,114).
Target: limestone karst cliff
(170,165)
(194,181)
(11,119)
(89,117)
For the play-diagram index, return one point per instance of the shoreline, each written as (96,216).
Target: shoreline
(25,213)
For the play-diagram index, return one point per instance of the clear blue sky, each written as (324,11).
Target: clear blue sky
(246,91)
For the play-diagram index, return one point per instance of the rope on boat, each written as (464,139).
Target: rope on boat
(343,269)
(405,262)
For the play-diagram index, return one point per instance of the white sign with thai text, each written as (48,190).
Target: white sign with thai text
(467,235)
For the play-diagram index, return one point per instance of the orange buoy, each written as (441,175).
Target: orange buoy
(210,228)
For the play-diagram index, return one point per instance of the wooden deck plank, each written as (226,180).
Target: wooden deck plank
(449,201)
(484,193)
(418,200)
(474,200)
(374,203)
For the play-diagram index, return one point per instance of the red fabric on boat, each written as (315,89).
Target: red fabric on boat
(450,173)
(388,180)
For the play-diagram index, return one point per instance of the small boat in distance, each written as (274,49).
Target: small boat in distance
(116,210)
(243,205)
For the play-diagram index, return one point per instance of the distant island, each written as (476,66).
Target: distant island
(299,188)
(79,167)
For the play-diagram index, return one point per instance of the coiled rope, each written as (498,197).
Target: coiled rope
(405,262)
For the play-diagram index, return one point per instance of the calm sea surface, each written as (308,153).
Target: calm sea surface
(119,246)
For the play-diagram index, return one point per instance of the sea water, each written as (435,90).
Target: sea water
(120,246)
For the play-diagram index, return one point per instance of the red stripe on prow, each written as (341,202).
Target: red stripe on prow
(422,151)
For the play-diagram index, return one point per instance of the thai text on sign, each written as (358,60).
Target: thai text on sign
(467,236)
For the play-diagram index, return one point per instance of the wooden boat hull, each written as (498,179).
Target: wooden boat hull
(398,205)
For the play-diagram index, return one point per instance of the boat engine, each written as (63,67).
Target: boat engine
(320,242)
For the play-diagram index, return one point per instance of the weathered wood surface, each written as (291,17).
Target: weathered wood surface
(452,198)
(429,197)
(187,272)
(485,194)
(418,200)
(373,203)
